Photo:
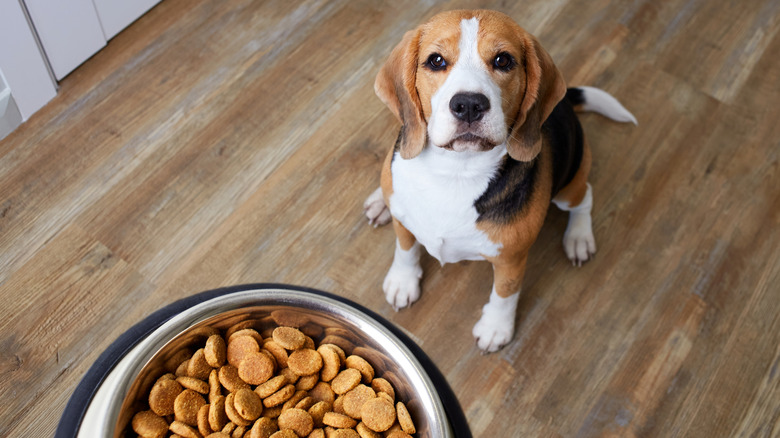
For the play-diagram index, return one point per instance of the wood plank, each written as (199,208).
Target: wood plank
(219,143)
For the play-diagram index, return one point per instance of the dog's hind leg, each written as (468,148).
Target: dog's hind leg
(577,199)
(375,209)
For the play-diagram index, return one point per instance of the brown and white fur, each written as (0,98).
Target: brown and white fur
(488,139)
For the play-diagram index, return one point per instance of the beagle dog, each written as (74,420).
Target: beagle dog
(489,137)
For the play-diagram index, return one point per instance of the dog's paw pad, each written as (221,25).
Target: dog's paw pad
(375,209)
(402,287)
(492,333)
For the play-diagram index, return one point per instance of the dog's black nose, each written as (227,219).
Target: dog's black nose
(469,107)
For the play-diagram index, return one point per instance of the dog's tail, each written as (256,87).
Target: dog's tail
(599,101)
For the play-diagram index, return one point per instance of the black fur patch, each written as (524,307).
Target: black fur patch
(508,192)
(564,132)
(512,187)
(575,96)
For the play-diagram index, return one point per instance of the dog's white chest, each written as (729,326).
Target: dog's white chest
(433,197)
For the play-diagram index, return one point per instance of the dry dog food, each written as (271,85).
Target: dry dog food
(274,384)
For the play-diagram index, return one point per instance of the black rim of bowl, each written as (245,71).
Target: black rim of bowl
(79,401)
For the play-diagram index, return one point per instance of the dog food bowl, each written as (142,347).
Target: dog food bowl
(109,394)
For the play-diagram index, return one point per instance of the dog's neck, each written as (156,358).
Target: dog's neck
(461,165)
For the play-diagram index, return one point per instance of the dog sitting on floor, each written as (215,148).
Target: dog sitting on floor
(489,137)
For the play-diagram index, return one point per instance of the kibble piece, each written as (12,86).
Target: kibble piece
(386,396)
(270,356)
(304,362)
(186,407)
(323,392)
(289,338)
(256,368)
(342,343)
(229,378)
(381,385)
(378,414)
(176,359)
(404,419)
(344,433)
(306,383)
(337,349)
(248,332)
(280,354)
(215,388)
(362,365)
(338,405)
(331,362)
(218,435)
(292,401)
(197,366)
(298,420)
(365,432)
(250,323)
(318,411)
(306,403)
(232,413)
(229,428)
(279,396)
(346,380)
(184,430)
(339,421)
(215,351)
(203,420)
(273,412)
(149,425)
(317,433)
(239,432)
(263,428)
(239,348)
(248,404)
(355,398)
(181,370)
(398,434)
(271,386)
(217,416)
(194,384)
(289,375)
(284,433)
(162,396)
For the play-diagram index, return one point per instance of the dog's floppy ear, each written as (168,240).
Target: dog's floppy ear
(395,86)
(544,88)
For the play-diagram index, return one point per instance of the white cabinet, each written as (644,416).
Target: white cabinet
(28,82)
(39,37)
(71,31)
(115,15)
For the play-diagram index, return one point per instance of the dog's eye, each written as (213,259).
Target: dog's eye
(436,62)
(504,61)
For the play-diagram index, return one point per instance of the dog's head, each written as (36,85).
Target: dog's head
(470,80)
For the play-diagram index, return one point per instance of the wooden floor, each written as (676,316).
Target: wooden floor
(215,143)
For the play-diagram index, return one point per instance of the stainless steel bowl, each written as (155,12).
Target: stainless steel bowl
(125,387)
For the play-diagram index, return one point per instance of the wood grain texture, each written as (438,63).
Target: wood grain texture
(215,143)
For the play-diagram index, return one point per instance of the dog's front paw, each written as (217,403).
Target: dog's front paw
(375,209)
(402,286)
(578,241)
(493,331)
